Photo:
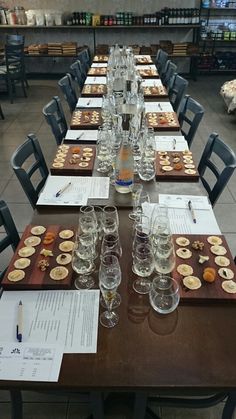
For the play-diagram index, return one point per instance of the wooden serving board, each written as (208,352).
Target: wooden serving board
(209,292)
(163,121)
(100,59)
(86,118)
(152,92)
(78,160)
(96,90)
(148,73)
(34,277)
(180,171)
(144,60)
(97,71)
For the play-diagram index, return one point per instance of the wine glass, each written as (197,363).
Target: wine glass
(111,244)
(110,219)
(109,280)
(103,150)
(164,254)
(143,266)
(143,197)
(82,261)
(164,294)
(136,191)
(147,168)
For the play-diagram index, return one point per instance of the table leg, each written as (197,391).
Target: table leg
(229,406)
(96,400)
(140,404)
(16,404)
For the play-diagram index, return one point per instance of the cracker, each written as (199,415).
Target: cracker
(59,273)
(229,286)
(182,241)
(164,162)
(189,166)
(226,273)
(222,261)
(63,147)
(192,282)
(167,168)
(16,275)
(185,270)
(190,171)
(64,258)
(88,154)
(187,152)
(59,160)
(214,240)
(66,234)
(87,149)
(66,246)
(83,164)
(26,251)
(184,253)
(57,165)
(32,241)
(22,263)
(38,230)
(218,250)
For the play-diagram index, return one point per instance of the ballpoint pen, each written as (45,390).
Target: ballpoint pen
(19,326)
(192,211)
(81,135)
(174,143)
(63,189)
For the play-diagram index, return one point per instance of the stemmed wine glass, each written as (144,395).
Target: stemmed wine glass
(143,266)
(109,280)
(83,256)
(110,219)
(136,192)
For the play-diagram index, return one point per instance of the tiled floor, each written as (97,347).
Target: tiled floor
(25,116)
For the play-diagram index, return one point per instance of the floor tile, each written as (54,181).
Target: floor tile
(214,412)
(5,411)
(225,215)
(14,193)
(45,397)
(45,410)
(21,214)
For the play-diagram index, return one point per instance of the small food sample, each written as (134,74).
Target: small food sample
(46,252)
(178,166)
(184,253)
(185,270)
(59,273)
(214,240)
(22,263)
(38,230)
(66,234)
(27,251)
(218,250)
(229,286)
(222,261)
(192,282)
(16,275)
(167,168)
(190,172)
(32,241)
(182,241)
(66,246)
(226,273)
(202,259)
(49,238)
(209,274)
(197,245)
(43,265)
(64,258)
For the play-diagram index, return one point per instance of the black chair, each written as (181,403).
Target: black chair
(78,73)
(14,70)
(84,58)
(218,160)
(169,71)
(160,61)
(68,90)
(1,113)
(14,39)
(55,117)
(11,236)
(176,91)
(190,116)
(32,177)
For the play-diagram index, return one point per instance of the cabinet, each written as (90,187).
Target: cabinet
(217,37)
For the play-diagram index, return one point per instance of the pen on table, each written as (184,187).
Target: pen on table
(82,133)
(174,143)
(159,106)
(192,211)
(19,326)
(63,189)
(88,103)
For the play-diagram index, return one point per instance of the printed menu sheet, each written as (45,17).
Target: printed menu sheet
(82,135)
(99,65)
(151,82)
(65,318)
(181,218)
(75,190)
(93,102)
(170,143)
(158,107)
(95,80)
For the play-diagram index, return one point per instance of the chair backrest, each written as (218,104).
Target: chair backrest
(84,58)
(176,91)
(13,39)
(14,54)
(32,175)
(160,61)
(10,236)
(68,90)
(218,161)
(78,73)
(170,69)
(190,116)
(55,117)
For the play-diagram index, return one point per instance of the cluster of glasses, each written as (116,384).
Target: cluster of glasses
(153,251)
(98,235)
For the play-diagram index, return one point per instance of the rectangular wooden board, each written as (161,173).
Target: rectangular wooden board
(148,73)
(144,60)
(182,170)
(209,292)
(96,90)
(78,160)
(162,121)
(100,59)
(34,277)
(97,71)
(151,92)
(89,118)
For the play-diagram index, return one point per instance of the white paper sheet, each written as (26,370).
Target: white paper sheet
(89,102)
(158,107)
(81,188)
(180,217)
(99,65)
(95,80)
(88,135)
(151,82)
(30,362)
(145,67)
(66,318)
(143,56)
(171,143)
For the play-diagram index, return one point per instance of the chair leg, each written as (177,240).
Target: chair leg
(16,404)
(96,400)
(23,87)
(1,113)
(229,406)
(140,405)
(10,90)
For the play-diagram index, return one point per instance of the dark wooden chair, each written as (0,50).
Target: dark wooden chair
(190,116)
(56,119)
(176,90)
(68,90)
